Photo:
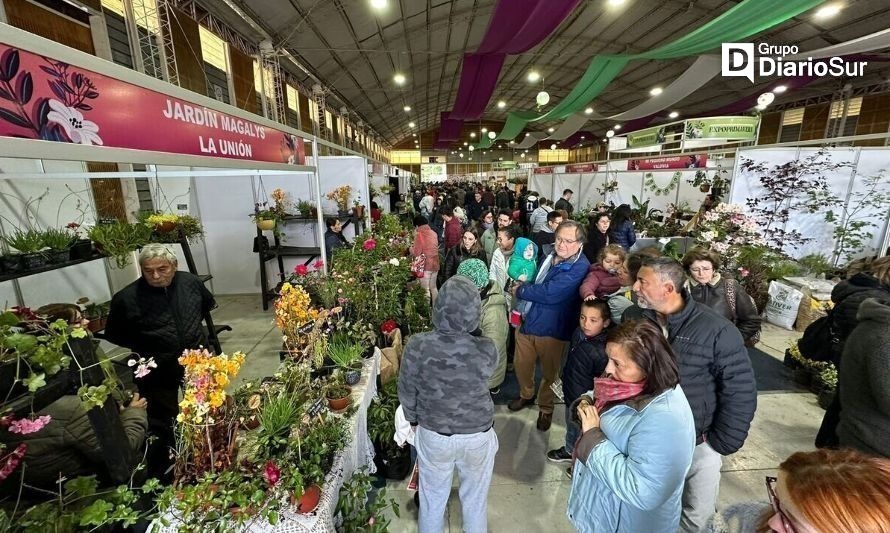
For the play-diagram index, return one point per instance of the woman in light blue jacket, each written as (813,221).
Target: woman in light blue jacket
(637,438)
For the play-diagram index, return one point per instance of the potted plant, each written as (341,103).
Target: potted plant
(701,180)
(59,243)
(348,357)
(97,314)
(80,248)
(828,378)
(279,412)
(358,510)
(120,239)
(29,243)
(162,222)
(265,219)
(357,208)
(392,461)
(337,393)
(307,208)
(340,196)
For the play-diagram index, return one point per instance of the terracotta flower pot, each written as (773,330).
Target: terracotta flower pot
(308,501)
(165,227)
(704,187)
(266,224)
(359,211)
(339,404)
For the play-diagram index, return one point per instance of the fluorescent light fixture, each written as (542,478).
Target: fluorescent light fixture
(379,4)
(399,78)
(655,91)
(615,3)
(533,76)
(502,104)
(826,12)
(407,108)
(673,114)
(780,89)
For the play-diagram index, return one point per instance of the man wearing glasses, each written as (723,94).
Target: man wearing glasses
(550,308)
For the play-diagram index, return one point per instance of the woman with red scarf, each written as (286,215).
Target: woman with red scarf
(637,438)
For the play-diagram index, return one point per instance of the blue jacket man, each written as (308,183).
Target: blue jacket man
(549,320)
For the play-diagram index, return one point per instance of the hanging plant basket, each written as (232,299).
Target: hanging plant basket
(165,227)
(266,224)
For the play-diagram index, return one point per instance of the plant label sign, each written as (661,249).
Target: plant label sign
(49,100)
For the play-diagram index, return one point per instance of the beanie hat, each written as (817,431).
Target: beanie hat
(475,270)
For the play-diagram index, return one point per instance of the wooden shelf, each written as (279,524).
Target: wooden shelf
(48,268)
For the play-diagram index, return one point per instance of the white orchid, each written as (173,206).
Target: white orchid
(394,262)
(79,130)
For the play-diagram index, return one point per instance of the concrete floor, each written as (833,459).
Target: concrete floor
(526,488)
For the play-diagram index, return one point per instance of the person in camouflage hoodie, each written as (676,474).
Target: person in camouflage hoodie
(443,389)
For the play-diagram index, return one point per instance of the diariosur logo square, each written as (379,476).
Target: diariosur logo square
(747,60)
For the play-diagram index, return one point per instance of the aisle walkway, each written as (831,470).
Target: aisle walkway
(526,488)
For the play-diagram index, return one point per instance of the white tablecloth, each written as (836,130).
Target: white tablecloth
(359,452)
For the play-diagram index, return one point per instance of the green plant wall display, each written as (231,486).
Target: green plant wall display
(650,185)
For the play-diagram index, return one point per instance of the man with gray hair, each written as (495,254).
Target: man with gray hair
(715,373)
(159,315)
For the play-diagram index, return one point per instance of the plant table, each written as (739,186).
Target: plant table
(359,452)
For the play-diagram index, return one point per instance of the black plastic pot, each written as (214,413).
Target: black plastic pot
(81,249)
(58,256)
(11,263)
(32,260)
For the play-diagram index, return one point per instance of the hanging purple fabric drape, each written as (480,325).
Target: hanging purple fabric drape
(449,129)
(515,27)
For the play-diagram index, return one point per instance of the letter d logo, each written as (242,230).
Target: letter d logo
(737,59)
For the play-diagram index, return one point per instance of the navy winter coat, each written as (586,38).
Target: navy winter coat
(555,303)
(585,360)
(624,235)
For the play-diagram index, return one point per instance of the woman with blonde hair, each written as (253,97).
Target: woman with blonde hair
(830,491)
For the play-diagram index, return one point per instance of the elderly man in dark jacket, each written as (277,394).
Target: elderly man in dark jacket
(443,388)
(716,375)
(160,315)
(550,306)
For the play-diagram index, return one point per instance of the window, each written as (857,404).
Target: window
(313,110)
(791,125)
(553,156)
(115,6)
(213,49)
(292,100)
(145,13)
(405,157)
(837,111)
(328,120)
(837,108)
(792,116)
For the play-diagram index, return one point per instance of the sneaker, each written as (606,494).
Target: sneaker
(559,455)
(569,472)
(544,420)
(495,391)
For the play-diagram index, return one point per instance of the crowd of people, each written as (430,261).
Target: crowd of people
(649,355)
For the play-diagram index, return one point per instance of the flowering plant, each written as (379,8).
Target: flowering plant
(206,377)
(26,426)
(340,196)
(143,366)
(726,228)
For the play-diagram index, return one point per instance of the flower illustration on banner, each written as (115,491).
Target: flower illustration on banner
(79,130)
(59,119)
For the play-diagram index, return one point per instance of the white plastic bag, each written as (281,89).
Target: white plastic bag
(784,301)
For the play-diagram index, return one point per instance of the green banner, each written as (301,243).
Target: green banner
(735,128)
(646,137)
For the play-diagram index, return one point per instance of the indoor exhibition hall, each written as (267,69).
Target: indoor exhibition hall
(445,266)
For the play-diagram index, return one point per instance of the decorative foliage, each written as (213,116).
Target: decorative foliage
(361,512)
(609,186)
(650,185)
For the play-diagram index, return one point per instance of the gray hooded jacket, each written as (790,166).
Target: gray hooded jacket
(443,379)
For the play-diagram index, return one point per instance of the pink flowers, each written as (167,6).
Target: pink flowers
(11,461)
(26,426)
(744,272)
(271,473)
(318,265)
(301,270)
(369,244)
(143,366)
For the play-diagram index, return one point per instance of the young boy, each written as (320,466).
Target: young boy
(586,359)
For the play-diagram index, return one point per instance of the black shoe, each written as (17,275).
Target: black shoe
(520,403)
(559,455)
(495,391)
(417,499)
(569,472)
(544,420)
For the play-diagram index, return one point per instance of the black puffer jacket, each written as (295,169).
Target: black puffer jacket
(160,322)
(713,295)
(457,255)
(586,359)
(715,373)
(847,296)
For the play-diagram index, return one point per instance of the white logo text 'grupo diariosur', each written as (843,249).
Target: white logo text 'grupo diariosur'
(738,60)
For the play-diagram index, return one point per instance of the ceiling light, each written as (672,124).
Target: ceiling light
(502,104)
(533,76)
(828,11)
(411,124)
(610,133)
(460,155)
(484,130)
(470,158)
(472,134)
(553,147)
(452,152)
(616,127)
(500,159)
(760,107)
(582,137)
(527,133)
(588,111)
(407,108)
(542,98)
(655,91)
(512,142)
(399,79)
(414,135)
(673,114)
(550,130)
(521,155)
(765,99)
(492,135)
(615,3)
(465,143)
(471,148)
(379,4)
(780,89)
(605,140)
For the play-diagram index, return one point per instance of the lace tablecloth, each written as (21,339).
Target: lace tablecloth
(358,452)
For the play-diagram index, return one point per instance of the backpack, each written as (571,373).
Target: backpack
(817,337)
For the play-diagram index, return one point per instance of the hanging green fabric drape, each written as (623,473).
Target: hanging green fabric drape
(739,23)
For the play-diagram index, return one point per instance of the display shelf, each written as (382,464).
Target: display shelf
(49,268)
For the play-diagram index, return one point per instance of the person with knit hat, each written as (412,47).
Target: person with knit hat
(494,324)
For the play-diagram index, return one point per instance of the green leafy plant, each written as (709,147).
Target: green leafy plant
(120,239)
(854,220)
(815,264)
(305,207)
(57,239)
(25,241)
(344,353)
(279,413)
(360,509)
(335,387)
(38,353)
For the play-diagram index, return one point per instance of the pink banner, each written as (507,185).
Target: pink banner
(52,101)
(544,170)
(581,167)
(666,163)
